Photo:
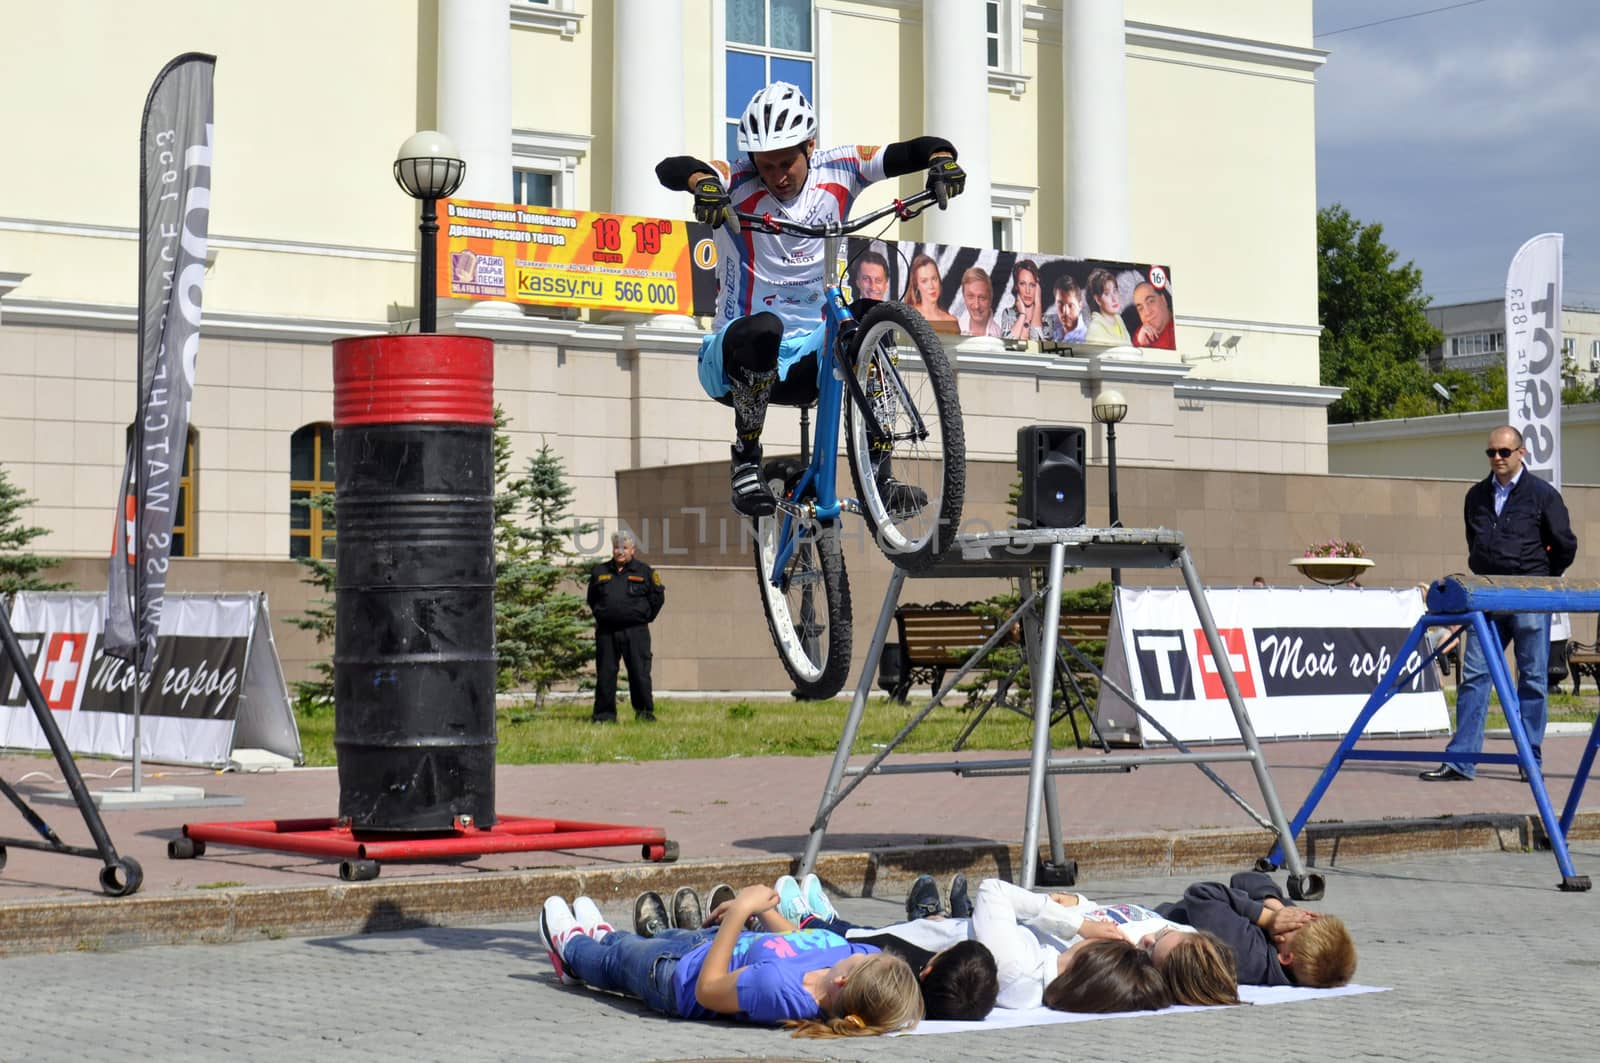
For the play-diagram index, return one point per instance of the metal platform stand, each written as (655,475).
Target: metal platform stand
(362,853)
(1015,554)
(1466,601)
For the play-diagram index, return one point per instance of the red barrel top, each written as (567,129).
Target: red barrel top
(413,379)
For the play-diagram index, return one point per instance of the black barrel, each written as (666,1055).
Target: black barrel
(414,661)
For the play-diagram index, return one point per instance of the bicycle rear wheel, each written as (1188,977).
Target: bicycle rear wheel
(808,609)
(911,479)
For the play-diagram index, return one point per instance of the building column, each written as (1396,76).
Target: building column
(475,93)
(647,106)
(1094,76)
(955,105)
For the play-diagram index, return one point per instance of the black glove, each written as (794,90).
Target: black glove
(711,203)
(946,178)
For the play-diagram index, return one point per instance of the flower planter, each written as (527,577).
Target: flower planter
(1331,571)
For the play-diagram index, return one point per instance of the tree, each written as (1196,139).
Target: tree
(19,569)
(319,618)
(541,629)
(1373,326)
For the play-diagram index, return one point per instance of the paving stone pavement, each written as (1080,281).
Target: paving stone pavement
(1485,959)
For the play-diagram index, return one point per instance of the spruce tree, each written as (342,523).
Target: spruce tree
(19,569)
(541,626)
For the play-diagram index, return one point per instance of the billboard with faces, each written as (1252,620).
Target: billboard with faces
(1019,296)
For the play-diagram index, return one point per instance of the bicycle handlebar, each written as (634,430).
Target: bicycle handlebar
(904,209)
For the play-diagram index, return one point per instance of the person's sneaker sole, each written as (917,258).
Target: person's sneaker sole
(960,901)
(720,893)
(923,900)
(816,899)
(650,914)
(562,974)
(687,914)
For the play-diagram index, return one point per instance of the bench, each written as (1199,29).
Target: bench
(935,639)
(1583,658)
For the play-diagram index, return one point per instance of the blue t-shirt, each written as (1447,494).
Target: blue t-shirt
(770,987)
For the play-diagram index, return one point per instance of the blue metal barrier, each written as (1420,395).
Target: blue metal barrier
(1465,601)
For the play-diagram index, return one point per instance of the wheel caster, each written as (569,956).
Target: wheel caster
(358,870)
(185,848)
(1569,883)
(2,856)
(1266,866)
(1062,874)
(122,878)
(1306,888)
(664,853)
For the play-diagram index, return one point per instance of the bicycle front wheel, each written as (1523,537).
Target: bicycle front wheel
(808,608)
(910,469)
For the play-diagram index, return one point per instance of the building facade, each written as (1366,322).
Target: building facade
(1147,130)
(1475,339)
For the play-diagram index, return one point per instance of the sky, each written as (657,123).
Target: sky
(1464,132)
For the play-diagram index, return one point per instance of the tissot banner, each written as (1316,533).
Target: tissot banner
(1305,661)
(214,674)
(175,212)
(1533,352)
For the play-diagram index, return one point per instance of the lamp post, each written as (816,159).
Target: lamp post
(427,167)
(1109,408)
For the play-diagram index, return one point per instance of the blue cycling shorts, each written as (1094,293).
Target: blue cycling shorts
(791,350)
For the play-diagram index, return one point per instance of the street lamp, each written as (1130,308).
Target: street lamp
(427,167)
(1110,408)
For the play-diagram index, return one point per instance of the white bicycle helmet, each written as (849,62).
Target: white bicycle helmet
(779,116)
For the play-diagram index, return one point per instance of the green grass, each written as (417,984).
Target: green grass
(697,730)
(691,730)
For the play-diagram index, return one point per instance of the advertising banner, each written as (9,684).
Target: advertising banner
(214,677)
(545,256)
(1021,296)
(1533,352)
(1305,661)
(175,214)
(550,257)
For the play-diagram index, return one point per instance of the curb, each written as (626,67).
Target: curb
(271,912)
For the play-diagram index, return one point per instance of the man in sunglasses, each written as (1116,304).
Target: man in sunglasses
(1517,525)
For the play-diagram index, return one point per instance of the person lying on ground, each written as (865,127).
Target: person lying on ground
(1197,966)
(1026,933)
(1273,942)
(811,981)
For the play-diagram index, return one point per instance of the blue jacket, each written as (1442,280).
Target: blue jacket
(1532,536)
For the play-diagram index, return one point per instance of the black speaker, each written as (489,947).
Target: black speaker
(1050,458)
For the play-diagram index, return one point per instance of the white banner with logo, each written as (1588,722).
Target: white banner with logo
(1533,353)
(1533,363)
(1305,660)
(215,682)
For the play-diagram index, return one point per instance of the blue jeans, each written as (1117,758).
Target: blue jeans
(635,966)
(1530,635)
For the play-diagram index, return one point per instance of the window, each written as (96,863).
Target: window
(1007,206)
(991,32)
(1002,31)
(1569,348)
(530,188)
(185,533)
(768,40)
(544,167)
(1477,343)
(311,531)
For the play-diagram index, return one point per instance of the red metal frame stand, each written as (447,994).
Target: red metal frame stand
(361,852)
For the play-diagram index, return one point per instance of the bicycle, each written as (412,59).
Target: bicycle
(907,457)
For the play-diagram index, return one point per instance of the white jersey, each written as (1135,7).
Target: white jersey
(784,274)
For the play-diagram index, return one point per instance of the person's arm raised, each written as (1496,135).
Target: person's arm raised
(717,988)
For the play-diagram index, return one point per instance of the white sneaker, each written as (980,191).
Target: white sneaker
(816,899)
(558,926)
(791,902)
(588,915)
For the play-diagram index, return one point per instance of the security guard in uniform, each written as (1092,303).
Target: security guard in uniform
(625,595)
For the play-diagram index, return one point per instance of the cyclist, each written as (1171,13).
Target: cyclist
(768,329)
